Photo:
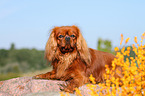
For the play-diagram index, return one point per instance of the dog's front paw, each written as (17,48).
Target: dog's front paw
(68,90)
(38,77)
(65,88)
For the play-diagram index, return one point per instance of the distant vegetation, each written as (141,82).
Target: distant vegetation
(15,62)
(21,60)
(105,45)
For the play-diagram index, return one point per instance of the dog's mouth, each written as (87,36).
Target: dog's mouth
(66,49)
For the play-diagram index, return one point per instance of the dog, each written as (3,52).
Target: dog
(72,60)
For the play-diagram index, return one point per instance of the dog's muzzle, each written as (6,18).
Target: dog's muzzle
(67,39)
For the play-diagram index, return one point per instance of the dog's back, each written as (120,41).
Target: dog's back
(98,61)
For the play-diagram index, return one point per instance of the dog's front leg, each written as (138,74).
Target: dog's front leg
(48,75)
(74,83)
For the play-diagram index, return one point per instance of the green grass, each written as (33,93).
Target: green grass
(30,74)
(7,76)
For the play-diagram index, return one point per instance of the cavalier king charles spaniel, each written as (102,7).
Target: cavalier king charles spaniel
(72,60)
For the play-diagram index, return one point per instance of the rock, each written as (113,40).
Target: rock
(26,86)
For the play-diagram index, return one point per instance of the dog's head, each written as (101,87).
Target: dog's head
(66,39)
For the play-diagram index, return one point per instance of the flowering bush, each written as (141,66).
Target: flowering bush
(132,82)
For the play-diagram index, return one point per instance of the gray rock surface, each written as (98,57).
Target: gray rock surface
(26,86)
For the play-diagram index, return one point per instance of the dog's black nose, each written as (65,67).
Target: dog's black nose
(67,38)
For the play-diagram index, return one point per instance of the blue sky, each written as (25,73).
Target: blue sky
(28,22)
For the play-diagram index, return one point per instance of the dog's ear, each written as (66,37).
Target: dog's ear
(51,46)
(82,48)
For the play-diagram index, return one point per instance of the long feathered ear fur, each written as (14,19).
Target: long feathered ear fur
(82,48)
(51,46)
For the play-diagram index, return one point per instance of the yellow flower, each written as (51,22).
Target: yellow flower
(92,79)
(61,94)
(128,48)
(78,92)
(116,49)
(135,39)
(126,41)
(108,71)
(121,39)
(122,50)
(143,34)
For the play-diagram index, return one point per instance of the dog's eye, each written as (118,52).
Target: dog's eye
(72,36)
(60,36)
